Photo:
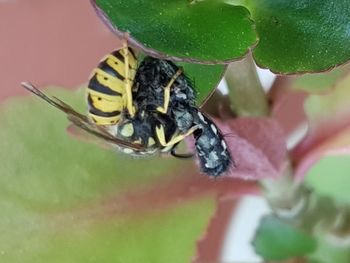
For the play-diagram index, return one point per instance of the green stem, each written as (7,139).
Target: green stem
(246,93)
(249,99)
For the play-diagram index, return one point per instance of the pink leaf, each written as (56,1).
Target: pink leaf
(257,146)
(210,245)
(184,185)
(287,104)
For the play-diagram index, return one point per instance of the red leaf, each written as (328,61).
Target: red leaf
(257,146)
(287,104)
(175,189)
(210,245)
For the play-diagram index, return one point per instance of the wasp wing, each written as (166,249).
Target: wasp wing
(81,120)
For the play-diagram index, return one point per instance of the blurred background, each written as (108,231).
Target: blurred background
(50,44)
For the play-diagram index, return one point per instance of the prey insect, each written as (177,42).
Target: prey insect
(152,75)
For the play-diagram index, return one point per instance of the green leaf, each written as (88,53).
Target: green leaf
(330,251)
(166,236)
(330,177)
(329,133)
(329,108)
(278,240)
(45,166)
(63,200)
(201,31)
(205,78)
(320,82)
(301,35)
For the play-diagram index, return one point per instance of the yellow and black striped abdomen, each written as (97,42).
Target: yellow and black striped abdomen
(106,94)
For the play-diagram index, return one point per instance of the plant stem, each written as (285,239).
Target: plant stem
(249,99)
(285,196)
(246,93)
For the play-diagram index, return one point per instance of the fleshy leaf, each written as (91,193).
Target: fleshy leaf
(295,36)
(330,176)
(328,134)
(53,170)
(336,145)
(205,78)
(301,35)
(63,199)
(331,107)
(193,31)
(283,99)
(278,240)
(290,92)
(167,235)
(320,82)
(209,247)
(257,147)
(329,250)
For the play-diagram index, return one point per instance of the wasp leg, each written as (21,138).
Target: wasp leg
(180,155)
(127,81)
(161,136)
(164,109)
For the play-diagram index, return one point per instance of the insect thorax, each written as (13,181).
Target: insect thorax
(151,78)
(141,129)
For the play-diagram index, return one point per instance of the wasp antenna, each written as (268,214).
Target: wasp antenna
(29,86)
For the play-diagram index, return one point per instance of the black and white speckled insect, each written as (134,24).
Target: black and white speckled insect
(151,78)
(211,147)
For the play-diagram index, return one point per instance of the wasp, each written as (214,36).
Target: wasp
(145,108)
